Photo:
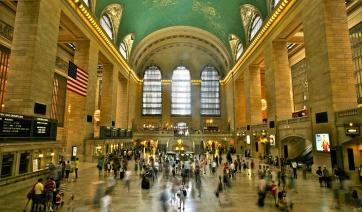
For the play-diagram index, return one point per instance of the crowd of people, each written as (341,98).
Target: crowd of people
(181,172)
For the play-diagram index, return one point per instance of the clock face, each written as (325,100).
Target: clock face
(179,141)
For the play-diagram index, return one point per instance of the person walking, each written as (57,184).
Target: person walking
(30,196)
(219,189)
(320,175)
(67,171)
(295,166)
(164,198)
(127,180)
(51,169)
(100,165)
(182,196)
(76,166)
(252,167)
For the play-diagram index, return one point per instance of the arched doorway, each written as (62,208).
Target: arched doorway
(297,149)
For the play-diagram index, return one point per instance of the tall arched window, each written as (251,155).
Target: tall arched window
(107,26)
(210,92)
(123,49)
(152,92)
(181,92)
(255,26)
(87,2)
(274,3)
(239,51)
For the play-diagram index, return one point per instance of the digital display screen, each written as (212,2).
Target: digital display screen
(12,125)
(322,142)
(247,139)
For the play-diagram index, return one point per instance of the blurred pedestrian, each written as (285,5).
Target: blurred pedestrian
(76,166)
(67,171)
(164,198)
(335,187)
(127,180)
(106,202)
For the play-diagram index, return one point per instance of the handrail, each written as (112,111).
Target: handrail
(10,180)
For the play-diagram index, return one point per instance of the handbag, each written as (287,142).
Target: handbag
(31,193)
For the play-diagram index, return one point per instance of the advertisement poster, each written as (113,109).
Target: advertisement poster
(322,142)
(74,152)
(272,140)
(35,165)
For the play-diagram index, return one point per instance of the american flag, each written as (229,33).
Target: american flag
(77,80)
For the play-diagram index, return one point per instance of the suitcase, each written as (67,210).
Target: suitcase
(145,183)
(121,175)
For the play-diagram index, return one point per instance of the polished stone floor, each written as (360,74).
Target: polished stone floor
(242,195)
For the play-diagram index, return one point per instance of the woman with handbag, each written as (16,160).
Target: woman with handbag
(30,195)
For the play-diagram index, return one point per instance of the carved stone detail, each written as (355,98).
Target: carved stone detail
(114,12)
(234,41)
(248,12)
(61,64)
(6,31)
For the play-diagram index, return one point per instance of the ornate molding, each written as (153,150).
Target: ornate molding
(6,31)
(248,12)
(61,64)
(114,12)
(128,41)
(234,41)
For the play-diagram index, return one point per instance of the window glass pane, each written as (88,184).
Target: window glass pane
(356,46)
(152,92)
(106,24)
(255,26)
(210,92)
(123,50)
(274,3)
(181,91)
(239,51)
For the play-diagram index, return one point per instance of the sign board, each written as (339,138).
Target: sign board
(351,130)
(35,165)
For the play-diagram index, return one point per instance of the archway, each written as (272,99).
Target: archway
(298,149)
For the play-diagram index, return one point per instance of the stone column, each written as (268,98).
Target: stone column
(278,82)
(122,103)
(33,55)
(195,106)
(240,115)
(253,95)
(109,95)
(252,101)
(78,107)
(166,104)
(329,66)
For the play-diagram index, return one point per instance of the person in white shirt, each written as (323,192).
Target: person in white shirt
(106,202)
(295,166)
(127,179)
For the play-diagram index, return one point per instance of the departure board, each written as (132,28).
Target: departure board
(42,127)
(13,125)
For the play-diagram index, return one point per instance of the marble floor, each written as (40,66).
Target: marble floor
(242,195)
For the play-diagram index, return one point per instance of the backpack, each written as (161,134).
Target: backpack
(220,186)
(185,192)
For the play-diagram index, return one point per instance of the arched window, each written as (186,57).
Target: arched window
(152,92)
(274,3)
(123,49)
(87,2)
(255,26)
(181,92)
(107,26)
(210,92)
(239,51)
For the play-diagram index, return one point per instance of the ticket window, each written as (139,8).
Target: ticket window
(98,150)
(7,165)
(24,163)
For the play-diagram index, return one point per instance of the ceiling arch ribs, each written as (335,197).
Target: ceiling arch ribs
(192,37)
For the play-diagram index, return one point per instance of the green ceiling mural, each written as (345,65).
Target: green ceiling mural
(219,17)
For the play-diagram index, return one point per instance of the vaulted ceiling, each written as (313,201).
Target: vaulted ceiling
(193,33)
